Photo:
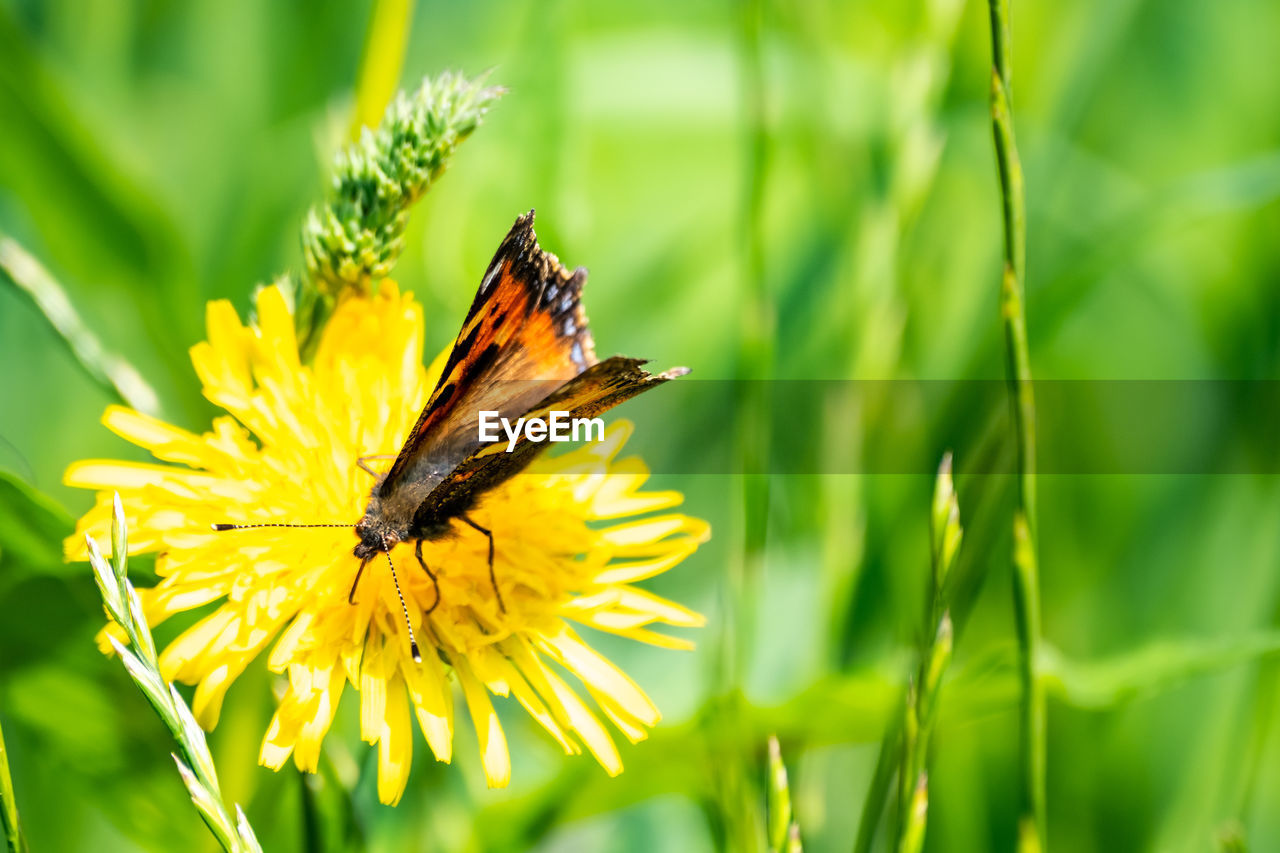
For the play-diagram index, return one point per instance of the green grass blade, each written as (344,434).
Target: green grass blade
(8,806)
(1018,371)
(381,61)
(877,795)
(31,526)
(195,763)
(21,270)
(784,831)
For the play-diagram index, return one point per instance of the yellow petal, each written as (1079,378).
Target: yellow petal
(395,745)
(222,363)
(528,698)
(642,536)
(277,342)
(286,648)
(169,600)
(165,441)
(276,743)
(183,659)
(632,606)
(600,674)
(373,702)
(206,705)
(111,630)
(642,635)
(633,729)
(586,725)
(433,704)
(617,493)
(493,743)
(323,706)
(623,573)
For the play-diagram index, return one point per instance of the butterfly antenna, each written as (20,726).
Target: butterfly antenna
(404,608)
(221,526)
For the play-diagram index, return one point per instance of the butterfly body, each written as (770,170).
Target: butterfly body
(387,523)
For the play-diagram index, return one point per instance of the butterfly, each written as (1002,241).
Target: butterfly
(524,348)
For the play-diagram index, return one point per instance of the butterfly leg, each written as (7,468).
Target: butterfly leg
(430,574)
(493,579)
(351,596)
(363,460)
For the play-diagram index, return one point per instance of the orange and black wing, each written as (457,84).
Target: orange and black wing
(597,389)
(525,336)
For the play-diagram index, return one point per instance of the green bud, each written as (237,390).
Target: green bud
(779,798)
(357,235)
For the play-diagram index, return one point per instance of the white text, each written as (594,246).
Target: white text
(557,426)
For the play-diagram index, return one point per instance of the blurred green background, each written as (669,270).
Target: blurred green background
(155,155)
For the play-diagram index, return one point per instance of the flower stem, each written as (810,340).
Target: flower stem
(1031,733)
(1026,579)
(9,806)
(755,346)
(737,782)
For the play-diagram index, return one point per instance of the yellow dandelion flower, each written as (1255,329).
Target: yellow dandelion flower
(570,549)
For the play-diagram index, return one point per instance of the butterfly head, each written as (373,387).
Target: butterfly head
(375,535)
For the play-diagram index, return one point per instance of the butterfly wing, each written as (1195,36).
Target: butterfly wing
(525,336)
(597,389)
